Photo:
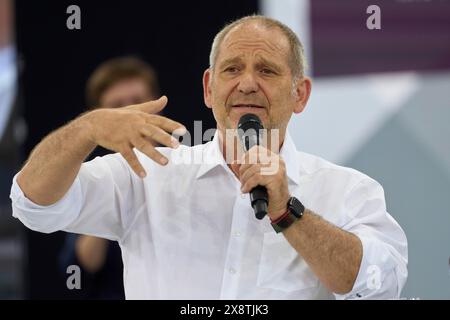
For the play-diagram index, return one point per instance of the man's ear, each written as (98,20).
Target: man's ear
(303,91)
(207,88)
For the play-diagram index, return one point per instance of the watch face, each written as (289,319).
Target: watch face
(296,207)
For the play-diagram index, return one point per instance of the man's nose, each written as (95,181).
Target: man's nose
(248,83)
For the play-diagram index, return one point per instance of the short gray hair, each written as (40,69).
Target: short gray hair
(297,60)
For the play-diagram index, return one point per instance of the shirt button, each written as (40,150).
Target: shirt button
(237,234)
(243,195)
(232,271)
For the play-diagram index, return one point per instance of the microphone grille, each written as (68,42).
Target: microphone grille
(249,130)
(250,121)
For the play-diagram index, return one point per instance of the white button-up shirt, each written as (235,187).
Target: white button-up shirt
(186,231)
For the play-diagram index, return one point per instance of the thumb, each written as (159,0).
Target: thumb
(151,107)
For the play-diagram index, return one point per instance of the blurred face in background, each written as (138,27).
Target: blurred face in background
(126,92)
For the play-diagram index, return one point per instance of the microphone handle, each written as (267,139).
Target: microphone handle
(259,200)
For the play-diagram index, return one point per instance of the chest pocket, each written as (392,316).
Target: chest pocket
(281,267)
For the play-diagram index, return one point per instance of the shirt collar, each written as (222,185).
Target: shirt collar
(212,157)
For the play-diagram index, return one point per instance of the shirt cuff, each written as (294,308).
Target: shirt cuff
(378,276)
(46,219)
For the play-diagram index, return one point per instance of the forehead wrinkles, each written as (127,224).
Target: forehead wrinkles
(259,45)
(256,46)
(266,42)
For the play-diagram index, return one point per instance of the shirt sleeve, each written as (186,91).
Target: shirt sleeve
(383,270)
(102,201)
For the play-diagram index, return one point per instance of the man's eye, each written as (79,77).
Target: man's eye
(231,69)
(267,71)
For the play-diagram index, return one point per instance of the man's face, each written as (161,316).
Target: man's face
(252,75)
(126,92)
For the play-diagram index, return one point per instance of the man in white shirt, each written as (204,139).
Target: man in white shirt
(185,227)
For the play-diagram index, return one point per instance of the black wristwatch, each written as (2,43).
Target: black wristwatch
(295,210)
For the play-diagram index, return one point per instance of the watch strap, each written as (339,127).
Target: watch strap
(294,212)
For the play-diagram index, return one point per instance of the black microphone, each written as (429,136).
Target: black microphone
(250,131)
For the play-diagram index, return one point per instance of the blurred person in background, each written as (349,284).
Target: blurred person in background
(8,84)
(12,135)
(115,83)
